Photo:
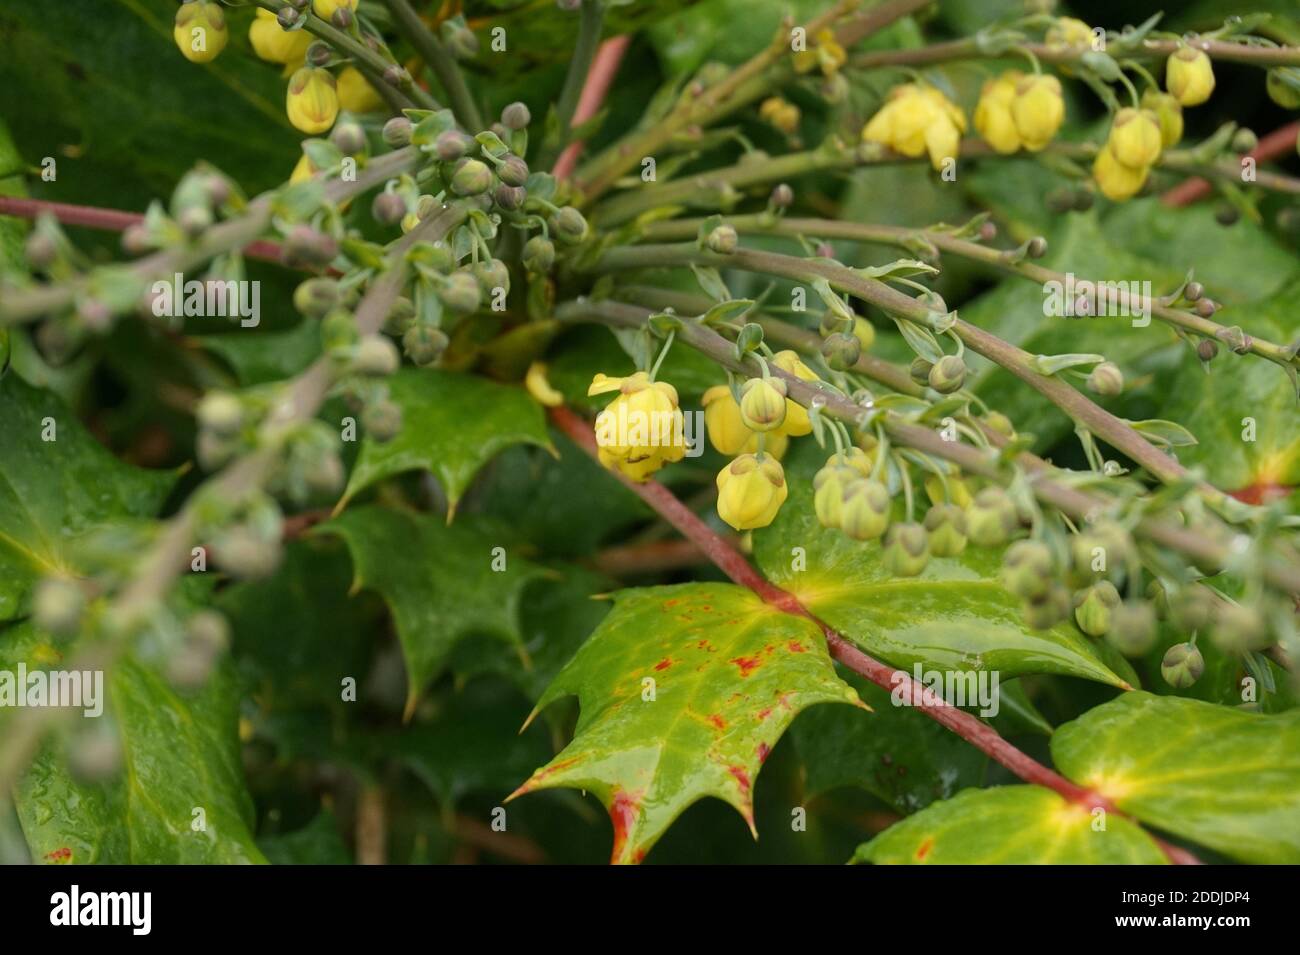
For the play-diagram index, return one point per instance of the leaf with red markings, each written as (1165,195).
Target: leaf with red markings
(684,691)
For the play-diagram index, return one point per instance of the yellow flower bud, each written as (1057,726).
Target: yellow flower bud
(1134,139)
(727,430)
(1038,110)
(642,429)
(200,30)
(1067,32)
(303,171)
(762,404)
(274,44)
(751,489)
(1189,76)
(797,422)
(993,119)
(864,332)
(312,101)
(781,113)
(916,120)
(1117,181)
(356,95)
(538,386)
(325,8)
(1168,112)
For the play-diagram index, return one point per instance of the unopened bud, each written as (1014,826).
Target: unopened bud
(1207,349)
(472,178)
(782,196)
(1106,379)
(569,225)
(382,420)
(947,375)
(539,255)
(841,350)
(907,550)
(316,296)
(397,132)
(376,356)
(461,293)
(516,116)
(919,371)
(350,138)
(424,344)
(388,208)
(722,240)
(1182,665)
(946,525)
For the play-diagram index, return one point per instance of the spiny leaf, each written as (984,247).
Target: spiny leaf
(53,491)
(1010,825)
(1223,777)
(452,424)
(954,616)
(684,690)
(438,580)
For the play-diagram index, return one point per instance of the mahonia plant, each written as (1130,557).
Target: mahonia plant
(448,324)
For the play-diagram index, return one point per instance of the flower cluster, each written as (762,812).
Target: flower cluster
(917,119)
(1016,111)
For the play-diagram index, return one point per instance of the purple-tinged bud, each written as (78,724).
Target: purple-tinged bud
(388,208)
(516,116)
(397,132)
(513,171)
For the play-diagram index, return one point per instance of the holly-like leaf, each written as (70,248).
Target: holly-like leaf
(317,843)
(1223,777)
(894,752)
(56,484)
(1010,825)
(180,753)
(258,357)
(954,616)
(683,692)
(440,582)
(452,424)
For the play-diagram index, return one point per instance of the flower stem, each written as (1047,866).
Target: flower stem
(437,58)
(590,20)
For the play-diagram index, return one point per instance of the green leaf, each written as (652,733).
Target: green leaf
(1009,825)
(260,357)
(729,674)
(180,752)
(317,843)
(53,492)
(439,582)
(452,424)
(894,752)
(1223,777)
(954,616)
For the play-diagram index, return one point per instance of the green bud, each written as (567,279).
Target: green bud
(397,132)
(1238,629)
(513,171)
(424,344)
(338,332)
(920,371)
(539,255)
(510,198)
(452,145)
(1283,86)
(376,356)
(1244,141)
(722,240)
(782,196)
(1027,569)
(1000,423)
(461,293)
(841,351)
(1182,665)
(58,605)
(1093,606)
(946,525)
(492,275)
(907,550)
(471,178)
(315,297)
(947,375)
(864,511)
(1049,608)
(400,317)
(1099,549)
(828,492)
(516,116)
(991,518)
(382,420)
(762,403)
(1132,628)
(221,413)
(569,226)
(1106,379)
(350,138)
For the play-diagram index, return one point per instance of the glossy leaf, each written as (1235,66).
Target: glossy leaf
(180,753)
(258,357)
(1220,776)
(1010,825)
(954,616)
(452,424)
(439,582)
(683,692)
(54,491)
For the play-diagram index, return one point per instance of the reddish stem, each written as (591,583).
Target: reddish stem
(594,90)
(111,220)
(649,557)
(1275,144)
(734,565)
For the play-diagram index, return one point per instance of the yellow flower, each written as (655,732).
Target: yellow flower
(540,388)
(312,101)
(762,404)
(796,422)
(325,8)
(993,120)
(916,120)
(781,113)
(1189,76)
(728,432)
(1038,110)
(1116,180)
(1168,112)
(303,171)
(751,489)
(830,481)
(1068,33)
(1134,139)
(356,95)
(200,30)
(828,54)
(274,44)
(642,429)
